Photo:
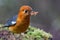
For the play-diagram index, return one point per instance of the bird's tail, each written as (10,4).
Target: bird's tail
(2,26)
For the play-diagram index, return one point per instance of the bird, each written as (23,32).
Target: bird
(20,22)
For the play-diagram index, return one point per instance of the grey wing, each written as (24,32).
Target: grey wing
(11,21)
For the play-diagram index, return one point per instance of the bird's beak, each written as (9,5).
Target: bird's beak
(34,13)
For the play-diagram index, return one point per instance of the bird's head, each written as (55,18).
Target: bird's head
(27,10)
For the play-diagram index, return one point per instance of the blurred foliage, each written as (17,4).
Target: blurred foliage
(32,33)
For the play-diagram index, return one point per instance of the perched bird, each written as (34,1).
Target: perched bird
(20,23)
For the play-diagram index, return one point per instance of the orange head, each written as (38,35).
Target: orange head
(26,11)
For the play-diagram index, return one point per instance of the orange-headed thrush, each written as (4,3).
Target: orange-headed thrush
(20,22)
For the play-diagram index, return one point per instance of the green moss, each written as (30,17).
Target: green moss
(37,33)
(33,33)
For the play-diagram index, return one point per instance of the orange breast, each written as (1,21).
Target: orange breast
(21,26)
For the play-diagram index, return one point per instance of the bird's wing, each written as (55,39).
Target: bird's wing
(11,21)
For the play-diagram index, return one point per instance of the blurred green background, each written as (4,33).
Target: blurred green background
(48,18)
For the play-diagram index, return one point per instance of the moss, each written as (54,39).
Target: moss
(37,34)
(32,33)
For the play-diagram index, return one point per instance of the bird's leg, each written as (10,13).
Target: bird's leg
(17,36)
(21,36)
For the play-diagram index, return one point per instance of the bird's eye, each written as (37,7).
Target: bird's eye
(25,11)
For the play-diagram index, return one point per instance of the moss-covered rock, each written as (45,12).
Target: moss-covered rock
(32,33)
